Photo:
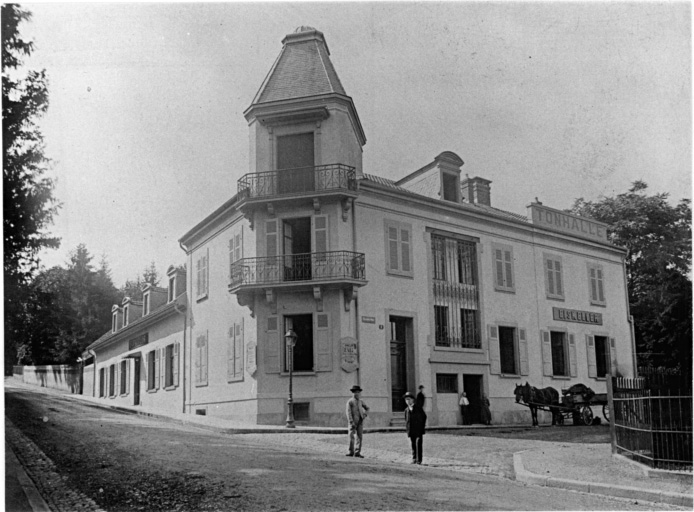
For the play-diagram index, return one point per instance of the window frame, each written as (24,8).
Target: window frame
(172,289)
(202,274)
(503,286)
(452,377)
(516,350)
(565,350)
(553,292)
(124,367)
(595,299)
(112,380)
(456,185)
(201,359)
(402,248)
(152,371)
(146,303)
(126,315)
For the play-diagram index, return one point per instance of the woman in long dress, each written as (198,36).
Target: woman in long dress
(486,414)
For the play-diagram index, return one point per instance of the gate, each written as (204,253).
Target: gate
(653,420)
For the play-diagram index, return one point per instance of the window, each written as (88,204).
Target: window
(456,301)
(114,322)
(152,370)
(171,365)
(301,411)
(558,354)
(112,380)
(172,288)
(235,353)
(295,163)
(125,315)
(235,254)
(447,383)
(449,187)
(302,359)
(102,383)
(398,248)
(507,350)
(201,360)
(503,268)
(145,304)
(597,286)
(124,381)
(202,275)
(554,284)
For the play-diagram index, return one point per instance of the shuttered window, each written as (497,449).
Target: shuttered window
(596,284)
(554,283)
(124,377)
(202,274)
(398,248)
(201,347)
(559,355)
(235,348)
(504,278)
(508,350)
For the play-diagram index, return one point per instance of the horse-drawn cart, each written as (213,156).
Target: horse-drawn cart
(576,403)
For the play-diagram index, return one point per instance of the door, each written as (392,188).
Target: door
(136,383)
(399,336)
(295,163)
(297,249)
(472,385)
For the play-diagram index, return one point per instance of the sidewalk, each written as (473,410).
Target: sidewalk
(580,467)
(21,494)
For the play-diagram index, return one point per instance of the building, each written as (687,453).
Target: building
(386,284)
(138,362)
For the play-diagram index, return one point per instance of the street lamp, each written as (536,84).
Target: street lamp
(290,338)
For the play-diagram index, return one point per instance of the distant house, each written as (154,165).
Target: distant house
(139,362)
(386,284)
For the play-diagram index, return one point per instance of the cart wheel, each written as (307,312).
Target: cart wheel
(606,412)
(587,415)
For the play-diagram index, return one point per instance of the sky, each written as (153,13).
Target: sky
(553,101)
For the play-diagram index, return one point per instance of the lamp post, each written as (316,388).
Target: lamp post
(290,338)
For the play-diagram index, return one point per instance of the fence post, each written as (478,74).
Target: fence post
(610,404)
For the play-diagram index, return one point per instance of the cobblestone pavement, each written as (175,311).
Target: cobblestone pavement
(42,471)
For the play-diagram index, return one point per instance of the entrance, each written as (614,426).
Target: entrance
(472,386)
(400,359)
(136,383)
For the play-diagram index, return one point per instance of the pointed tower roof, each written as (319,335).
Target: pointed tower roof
(302,83)
(302,69)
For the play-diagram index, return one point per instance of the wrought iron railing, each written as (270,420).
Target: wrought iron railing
(320,178)
(315,266)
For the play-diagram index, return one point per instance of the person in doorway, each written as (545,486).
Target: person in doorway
(464,404)
(415,424)
(420,397)
(357,411)
(485,412)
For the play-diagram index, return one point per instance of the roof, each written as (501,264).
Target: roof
(471,206)
(302,69)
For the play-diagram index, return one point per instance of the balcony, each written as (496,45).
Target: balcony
(295,270)
(303,182)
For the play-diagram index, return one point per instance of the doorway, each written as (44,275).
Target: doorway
(296,247)
(136,382)
(401,342)
(472,386)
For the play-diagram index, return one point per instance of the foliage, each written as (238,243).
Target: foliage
(658,238)
(133,288)
(28,203)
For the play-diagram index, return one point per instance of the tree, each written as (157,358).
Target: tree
(658,238)
(28,203)
(133,288)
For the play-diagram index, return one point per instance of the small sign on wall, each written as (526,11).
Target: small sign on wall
(368,319)
(251,363)
(573,315)
(349,354)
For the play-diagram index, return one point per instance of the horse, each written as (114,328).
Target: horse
(532,396)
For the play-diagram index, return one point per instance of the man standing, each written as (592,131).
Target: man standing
(415,423)
(464,403)
(420,397)
(356,414)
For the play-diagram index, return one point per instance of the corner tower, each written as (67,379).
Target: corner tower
(301,115)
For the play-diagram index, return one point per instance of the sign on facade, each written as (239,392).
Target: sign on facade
(368,319)
(349,354)
(572,315)
(563,222)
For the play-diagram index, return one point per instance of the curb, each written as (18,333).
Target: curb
(33,496)
(616,491)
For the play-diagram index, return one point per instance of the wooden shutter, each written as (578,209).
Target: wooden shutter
(319,242)
(508,264)
(393,248)
(405,248)
(323,343)
(590,356)
(593,284)
(499,265)
(157,368)
(204,361)
(523,352)
(272,346)
(206,272)
(127,376)
(230,352)
(116,390)
(546,342)
(573,363)
(238,242)
(231,255)
(601,292)
(613,357)
(271,238)
(549,273)
(176,358)
(558,280)
(238,350)
(494,354)
(198,279)
(198,359)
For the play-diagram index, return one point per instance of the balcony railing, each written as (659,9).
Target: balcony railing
(287,182)
(316,266)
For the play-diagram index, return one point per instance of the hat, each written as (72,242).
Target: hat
(421,387)
(408,395)
(356,389)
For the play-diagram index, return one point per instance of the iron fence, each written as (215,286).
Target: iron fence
(298,180)
(653,420)
(332,266)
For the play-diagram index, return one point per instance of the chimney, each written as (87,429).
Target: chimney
(476,190)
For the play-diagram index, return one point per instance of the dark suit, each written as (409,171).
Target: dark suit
(415,423)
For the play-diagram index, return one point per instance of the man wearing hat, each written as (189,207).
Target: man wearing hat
(415,422)
(356,413)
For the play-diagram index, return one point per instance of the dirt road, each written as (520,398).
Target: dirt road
(128,462)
